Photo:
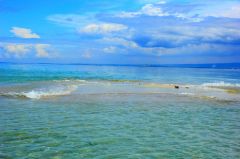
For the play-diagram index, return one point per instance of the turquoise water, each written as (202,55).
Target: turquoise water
(73,111)
(28,72)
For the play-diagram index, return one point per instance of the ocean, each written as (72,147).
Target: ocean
(108,111)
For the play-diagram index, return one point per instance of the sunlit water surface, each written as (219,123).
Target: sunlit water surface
(49,112)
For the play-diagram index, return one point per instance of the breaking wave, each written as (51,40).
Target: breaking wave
(221,84)
(46,93)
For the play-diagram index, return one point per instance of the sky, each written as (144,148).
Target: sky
(120,31)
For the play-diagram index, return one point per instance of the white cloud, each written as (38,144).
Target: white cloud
(41,50)
(226,9)
(148,9)
(20,50)
(127,44)
(103,28)
(156,10)
(151,10)
(17,50)
(120,41)
(24,33)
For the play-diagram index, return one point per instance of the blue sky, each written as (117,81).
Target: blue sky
(120,31)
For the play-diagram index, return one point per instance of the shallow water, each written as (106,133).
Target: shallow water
(117,114)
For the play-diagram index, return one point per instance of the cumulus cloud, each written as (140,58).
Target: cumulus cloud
(24,33)
(21,50)
(103,28)
(41,50)
(17,50)
(151,10)
(159,28)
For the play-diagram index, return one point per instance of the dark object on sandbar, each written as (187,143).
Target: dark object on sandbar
(187,87)
(177,87)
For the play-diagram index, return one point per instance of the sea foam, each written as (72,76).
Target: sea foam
(221,84)
(43,93)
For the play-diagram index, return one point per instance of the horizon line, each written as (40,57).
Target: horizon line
(199,65)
